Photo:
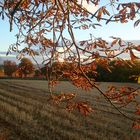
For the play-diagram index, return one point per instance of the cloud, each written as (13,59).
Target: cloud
(89,6)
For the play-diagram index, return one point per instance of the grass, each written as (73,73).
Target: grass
(26,114)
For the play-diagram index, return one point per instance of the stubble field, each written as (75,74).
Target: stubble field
(26,114)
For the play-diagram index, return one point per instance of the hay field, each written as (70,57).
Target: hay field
(26,114)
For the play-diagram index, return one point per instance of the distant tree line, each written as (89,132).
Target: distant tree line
(11,69)
(117,72)
(128,71)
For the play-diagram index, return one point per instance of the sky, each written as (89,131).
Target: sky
(125,31)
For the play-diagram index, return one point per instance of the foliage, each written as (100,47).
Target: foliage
(42,26)
(26,67)
(37,73)
(127,71)
(9,67)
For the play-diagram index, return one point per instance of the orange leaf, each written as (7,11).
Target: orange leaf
(114,42)
(99,14)
(132,56)
(136,125)
(36,2)
(138,111)
(105,11)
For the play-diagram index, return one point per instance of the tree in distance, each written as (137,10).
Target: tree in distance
(9,67)
(25,67)
(42,26)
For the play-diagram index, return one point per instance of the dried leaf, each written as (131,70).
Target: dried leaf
(132,56)
(135,125)
(114,42)
(99,14)
(137,48)
(136,23)
(36,2)
(105,11)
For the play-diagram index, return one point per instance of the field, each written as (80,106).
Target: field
(26,114)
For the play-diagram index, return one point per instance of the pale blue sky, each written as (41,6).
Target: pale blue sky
(125,31)
(6,37)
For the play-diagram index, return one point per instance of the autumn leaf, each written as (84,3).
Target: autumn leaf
(36,2)
(137,48)
(132,56)
(84,27)
(99,14)
(84,108)
(137,112)
(114,42)
(105,11)
(137,4)
(135,125)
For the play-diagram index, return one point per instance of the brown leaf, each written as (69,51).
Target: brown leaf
(36,2)
(114,42)
(136,125)
(99,14)
(123,11)
(137,111)
(132,56)
(137,4)
(137,48)
(105,11)
(84,108)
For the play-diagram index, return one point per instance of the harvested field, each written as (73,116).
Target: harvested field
(26,114)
